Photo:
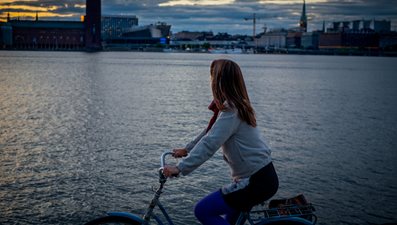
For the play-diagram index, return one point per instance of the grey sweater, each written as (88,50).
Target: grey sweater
(243,146)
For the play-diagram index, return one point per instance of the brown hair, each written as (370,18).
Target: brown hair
(228,84)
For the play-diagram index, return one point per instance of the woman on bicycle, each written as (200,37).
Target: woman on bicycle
(233,128)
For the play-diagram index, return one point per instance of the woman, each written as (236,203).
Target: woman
(233,128)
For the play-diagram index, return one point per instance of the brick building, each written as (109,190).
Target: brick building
(52,35)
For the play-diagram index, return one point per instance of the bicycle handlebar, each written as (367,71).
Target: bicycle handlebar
(162,159)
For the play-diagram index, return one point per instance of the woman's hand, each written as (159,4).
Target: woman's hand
(171,171)
(179,152)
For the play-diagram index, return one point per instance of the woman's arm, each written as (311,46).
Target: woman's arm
(191,145)
(182,152)
(224,127)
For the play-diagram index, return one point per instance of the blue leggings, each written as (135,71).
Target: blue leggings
(209,210)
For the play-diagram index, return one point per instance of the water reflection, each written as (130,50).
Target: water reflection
(81,133)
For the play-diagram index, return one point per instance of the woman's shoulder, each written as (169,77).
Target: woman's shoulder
(229,107)
(229,111)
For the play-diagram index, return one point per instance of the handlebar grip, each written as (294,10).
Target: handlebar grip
(162,158)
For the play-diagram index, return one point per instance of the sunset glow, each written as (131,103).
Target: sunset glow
(33,14)
(196,2)
(82,6)
(281,2)
(4,2)
(28,8)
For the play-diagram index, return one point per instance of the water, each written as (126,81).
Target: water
(81,134)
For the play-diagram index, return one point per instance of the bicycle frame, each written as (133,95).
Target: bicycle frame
(153,203)
(244,216)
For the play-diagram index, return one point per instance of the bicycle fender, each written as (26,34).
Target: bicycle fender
(127,215)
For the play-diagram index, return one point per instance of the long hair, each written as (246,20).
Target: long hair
(227,84)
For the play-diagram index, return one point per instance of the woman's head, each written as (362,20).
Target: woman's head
(228,84)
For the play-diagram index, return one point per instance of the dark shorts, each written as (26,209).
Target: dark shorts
(262,186)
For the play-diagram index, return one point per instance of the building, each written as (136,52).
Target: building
(361,26)
(140,37)
(54,35)
(357,34)
(191,35)
(388,41)
(349,40)
(330,40)
(309,40)
(157,30)
(382,26)
(5,36)
(303,20)
(115,26)
(50,35)
(293,39)
(272,40)
(92,22)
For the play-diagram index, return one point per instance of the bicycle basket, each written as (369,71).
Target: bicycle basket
(296,206)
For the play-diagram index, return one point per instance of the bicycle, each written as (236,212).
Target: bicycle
(286,215)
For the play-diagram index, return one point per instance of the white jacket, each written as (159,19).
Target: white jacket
(243,146)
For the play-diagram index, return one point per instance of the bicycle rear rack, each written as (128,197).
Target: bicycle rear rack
(304,211)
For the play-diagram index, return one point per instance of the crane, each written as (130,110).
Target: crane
(254,18)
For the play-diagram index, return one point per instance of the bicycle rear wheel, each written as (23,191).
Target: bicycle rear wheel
(113,220)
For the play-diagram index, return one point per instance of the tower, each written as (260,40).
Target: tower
(303,21)
(37,16)
(93,25)
(8,17)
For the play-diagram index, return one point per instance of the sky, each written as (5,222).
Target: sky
(231,16)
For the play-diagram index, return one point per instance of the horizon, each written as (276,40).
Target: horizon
(204,15)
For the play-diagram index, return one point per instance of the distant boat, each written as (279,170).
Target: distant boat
(225,51)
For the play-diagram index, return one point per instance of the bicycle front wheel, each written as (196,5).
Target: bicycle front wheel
(113,220)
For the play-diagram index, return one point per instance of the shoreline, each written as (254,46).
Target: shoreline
(337,52)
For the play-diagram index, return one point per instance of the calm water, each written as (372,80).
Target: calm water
(81,134)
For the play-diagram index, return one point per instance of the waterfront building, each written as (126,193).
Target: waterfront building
(309,40)
(382,26)
(356,25)
(54,35)
(5,35)
(115,26)
(360,26)
(293,39)
(330,40)
(303,20)
(92,22)
(157,30)
(140,37)
(193,35)
(272,40)
(388,41)
(357,34)
(348,40)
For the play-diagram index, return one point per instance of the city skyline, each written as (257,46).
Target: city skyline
(212,15)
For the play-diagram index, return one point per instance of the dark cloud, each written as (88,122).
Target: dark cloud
(230,17)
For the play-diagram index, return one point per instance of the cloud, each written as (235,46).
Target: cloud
(283,2)
(216,15)
(28,8)
(16,1)
(196,2)
(79,6)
